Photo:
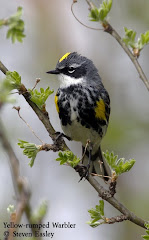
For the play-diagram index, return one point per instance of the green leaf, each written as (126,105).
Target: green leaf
(69,158)
(94,224)
(130,33)
(120,165)
(100,14)
(147,231)
(143,40)
(15,26)
(130,41)
(12,80)
(42,90)
(100,207)
(146,225)
(30,150)
(145,237)
(39,98)
(105,7)
(129,38)
(97,215)
(94,15)
(5,96)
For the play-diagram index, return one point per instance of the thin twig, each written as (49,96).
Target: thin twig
(3,68)
(91,5)
(37,81)
(134,60)
(98,175)
(109,29)
(18,110)
(92,28)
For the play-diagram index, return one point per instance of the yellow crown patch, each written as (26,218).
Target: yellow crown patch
(64,57)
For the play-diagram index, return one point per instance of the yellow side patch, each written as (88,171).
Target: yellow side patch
(64,57)
(56,103)
(100,110)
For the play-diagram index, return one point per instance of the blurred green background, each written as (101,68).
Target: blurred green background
(51,31)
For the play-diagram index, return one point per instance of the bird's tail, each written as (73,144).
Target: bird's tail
(98,165)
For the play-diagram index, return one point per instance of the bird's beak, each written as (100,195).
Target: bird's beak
(55,71)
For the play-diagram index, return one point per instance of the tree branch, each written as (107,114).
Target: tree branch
(120,218)
(80,21)
(3,68)
(109,29)
(103,193)
(21,187)
(43,117)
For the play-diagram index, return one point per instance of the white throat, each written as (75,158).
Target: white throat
(67,81)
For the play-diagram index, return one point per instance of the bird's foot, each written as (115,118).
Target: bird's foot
(83,171)
(60,135)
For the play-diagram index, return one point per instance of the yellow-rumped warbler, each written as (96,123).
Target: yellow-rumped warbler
(83,105)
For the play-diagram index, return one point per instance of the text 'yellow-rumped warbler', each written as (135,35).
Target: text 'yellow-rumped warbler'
(83,105)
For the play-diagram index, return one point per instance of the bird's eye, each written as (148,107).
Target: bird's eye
(71,70)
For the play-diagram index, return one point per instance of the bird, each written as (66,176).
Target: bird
(83,106)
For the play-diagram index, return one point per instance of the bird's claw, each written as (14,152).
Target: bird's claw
(83,171)
(60,135)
